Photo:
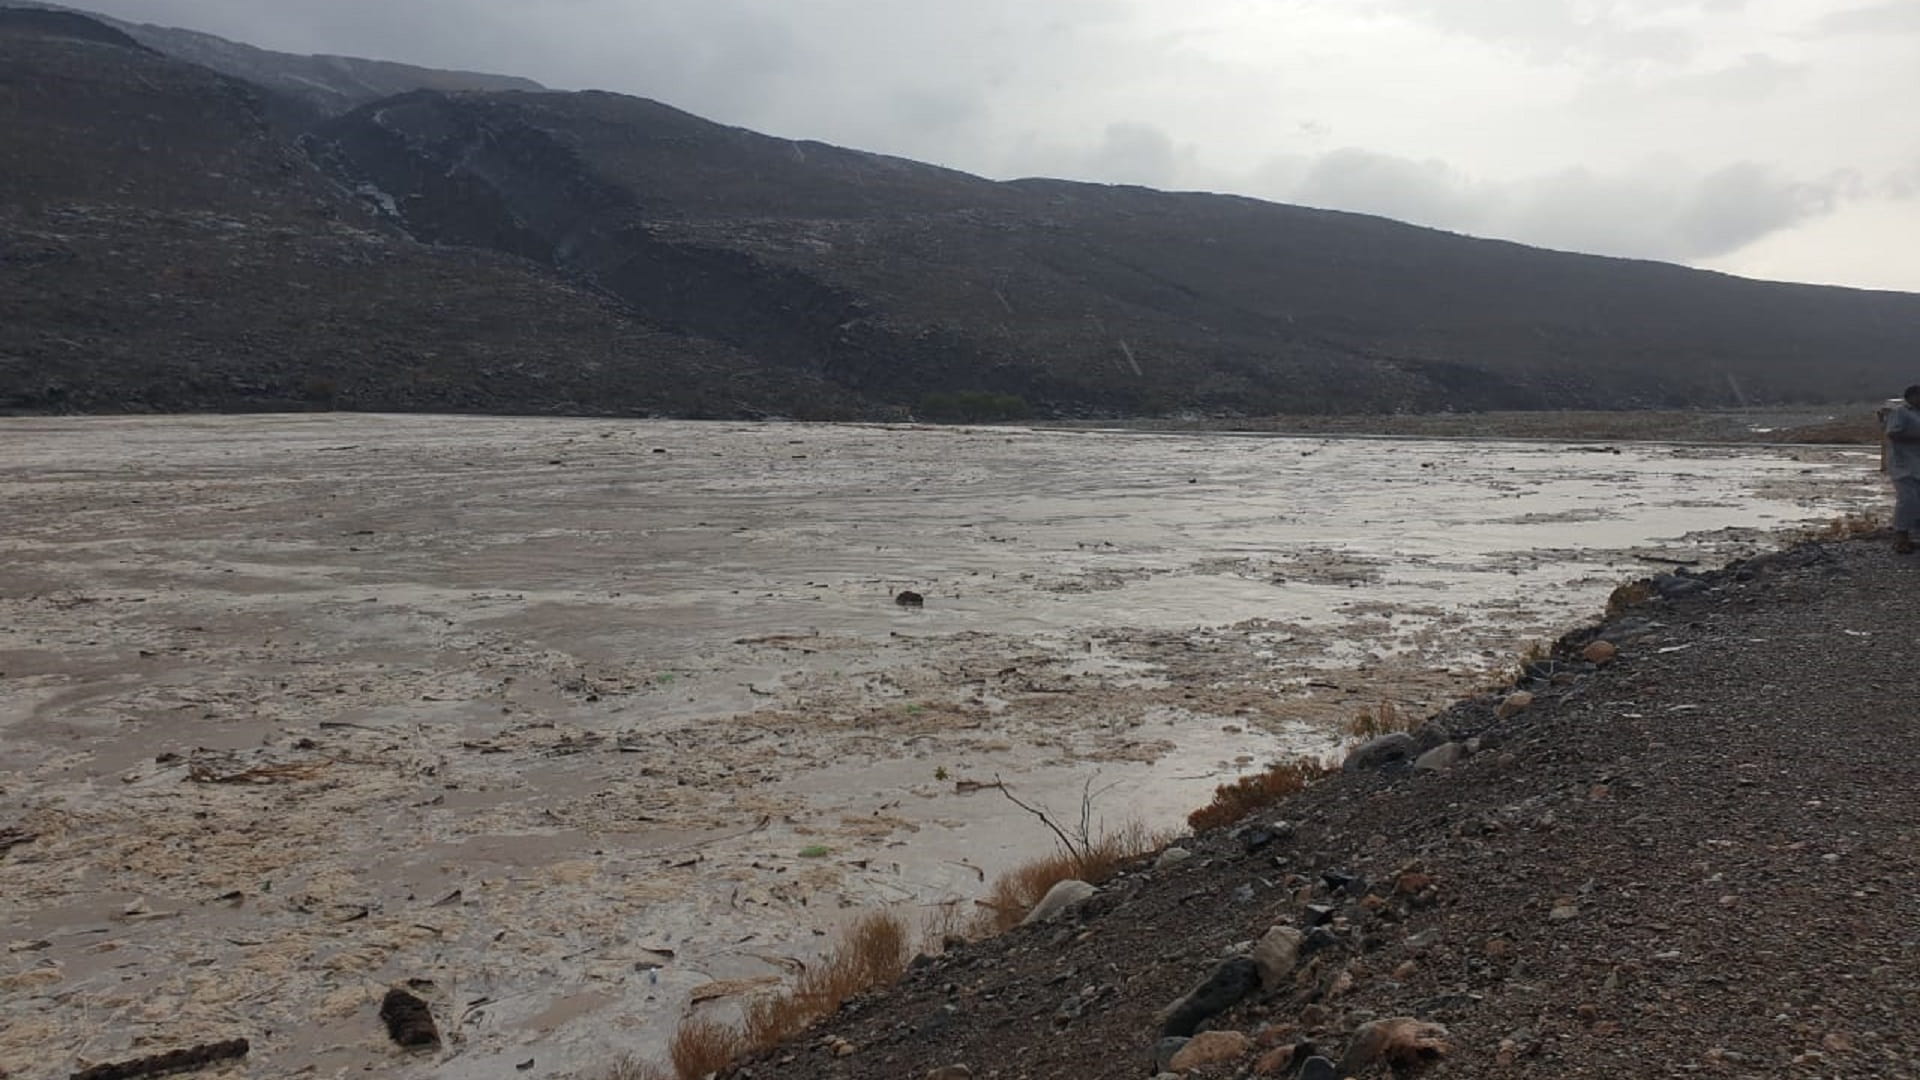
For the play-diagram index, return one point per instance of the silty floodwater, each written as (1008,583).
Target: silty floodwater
(544,713)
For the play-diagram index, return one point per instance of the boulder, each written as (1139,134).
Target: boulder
(1390,749)
(1210,1048)
(1276,954)
(1440,758)
(1062,896)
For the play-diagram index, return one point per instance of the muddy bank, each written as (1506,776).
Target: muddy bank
(572,720)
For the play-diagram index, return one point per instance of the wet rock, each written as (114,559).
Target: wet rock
(1392,748)
(1210,1048)
(409,1021)
(1230,982)
(1601,651)
(1318,1068)
(1399,1042)
(1675,586)
(1514,703)
(1173,856)
(1440,758)
(1276,954)
(1058,899)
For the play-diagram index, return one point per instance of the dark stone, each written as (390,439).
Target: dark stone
(1317,938)
(409,1021)
(1393,748)
(909,598)
(198,1057)
(1675,586)
(1317,914)
(1230,983)
(1318,1068)
(1336,880)
(1256,838)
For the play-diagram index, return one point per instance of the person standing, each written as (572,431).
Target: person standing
(1902,425)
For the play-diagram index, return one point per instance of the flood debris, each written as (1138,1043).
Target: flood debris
(11,838)
(282,772)
(409,1021)
(173,1061)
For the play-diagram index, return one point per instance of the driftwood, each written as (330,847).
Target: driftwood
(10,838)
(173,1061)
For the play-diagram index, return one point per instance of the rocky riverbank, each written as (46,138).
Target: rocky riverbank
(1694,857)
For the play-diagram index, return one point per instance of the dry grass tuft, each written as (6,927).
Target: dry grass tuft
(1231,802)
(1385,719)
(632,1068)
(1848,526)
(701,1047)
(1634,594)
(1015,892)
(873,952)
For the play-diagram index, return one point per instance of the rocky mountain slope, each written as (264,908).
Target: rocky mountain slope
(162,247)
(748,273)
(1693,861)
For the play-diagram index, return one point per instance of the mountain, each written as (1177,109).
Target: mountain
(762,274)
(163,247)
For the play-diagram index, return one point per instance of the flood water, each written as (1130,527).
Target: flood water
(546,712)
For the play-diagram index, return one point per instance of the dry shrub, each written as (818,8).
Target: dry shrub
(1386,718)
(1231,802)
(1848,526)
(873,952)
(632,1068)
(1633,594)
(1093,861)
(703,1046)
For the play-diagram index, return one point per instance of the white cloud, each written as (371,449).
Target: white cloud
(1658,128)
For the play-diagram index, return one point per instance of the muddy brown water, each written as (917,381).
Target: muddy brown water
(545,713)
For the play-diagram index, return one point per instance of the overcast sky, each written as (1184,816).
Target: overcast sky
(1772,138)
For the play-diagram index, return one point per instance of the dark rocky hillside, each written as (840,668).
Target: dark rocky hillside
(161,247)
(175,237)
(897,279)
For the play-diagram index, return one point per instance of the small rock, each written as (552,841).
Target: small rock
(1164,1050)
(1400,1042)
(1440,758)
(1392,748)
(843,1048)
(1563,912)
(1317,914)
(1318,1068)
(1276,955)
(951,1072)
(909,598)
(1405,971)
(1062,896)
(409,1021)
(1210,1048)
(1226,987)
(1173,856)
(1412,882)
(1514,703)
(1600,651)
(1274,1062)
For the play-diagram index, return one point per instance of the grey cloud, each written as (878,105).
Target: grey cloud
(1895,17)
(1562,30)
(1656,212)
(1396,187)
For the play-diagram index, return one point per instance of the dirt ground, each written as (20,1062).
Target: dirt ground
(570,722)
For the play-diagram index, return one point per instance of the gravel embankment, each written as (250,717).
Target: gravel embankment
(1698,859)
